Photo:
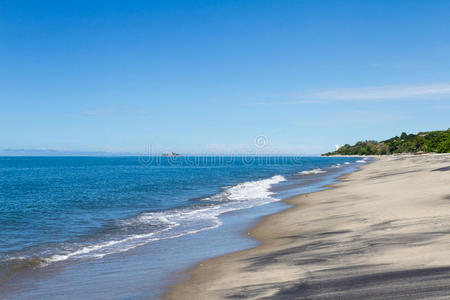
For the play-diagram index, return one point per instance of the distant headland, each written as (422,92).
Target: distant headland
(171,154)
(422,142)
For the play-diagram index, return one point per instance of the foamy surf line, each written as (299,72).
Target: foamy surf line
(335,166)
(312,172)
(171,224)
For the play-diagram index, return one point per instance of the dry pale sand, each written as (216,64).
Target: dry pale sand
(384,232)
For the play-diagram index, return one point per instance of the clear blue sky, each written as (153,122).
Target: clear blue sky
(210,76)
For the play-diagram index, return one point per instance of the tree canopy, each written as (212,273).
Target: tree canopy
(431,141)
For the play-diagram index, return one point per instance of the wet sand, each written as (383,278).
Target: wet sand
(383,232)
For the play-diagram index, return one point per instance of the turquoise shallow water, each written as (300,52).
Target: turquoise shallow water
(81,219)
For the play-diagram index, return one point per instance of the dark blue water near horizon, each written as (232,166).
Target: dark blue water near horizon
(57,209)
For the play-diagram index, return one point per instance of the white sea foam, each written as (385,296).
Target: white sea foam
(311,172)
(362,161)
(251,190)
(346,163)
(178,222)
(336,166)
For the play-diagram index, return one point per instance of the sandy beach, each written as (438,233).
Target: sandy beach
(382,232)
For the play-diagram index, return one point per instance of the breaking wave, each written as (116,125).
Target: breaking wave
(152,226)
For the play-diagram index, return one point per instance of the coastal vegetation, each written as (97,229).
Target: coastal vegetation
(422,142)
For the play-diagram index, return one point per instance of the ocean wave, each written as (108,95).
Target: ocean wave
(336,166)
(346,163)
(361,161)
(249,191)
(173,223)
(312,172)
(11,265)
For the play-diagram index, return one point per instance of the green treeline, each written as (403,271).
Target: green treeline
(432,141)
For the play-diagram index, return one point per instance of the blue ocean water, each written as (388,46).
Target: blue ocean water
(57,209)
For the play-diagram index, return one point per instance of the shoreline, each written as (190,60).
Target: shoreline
(317,242)
(166,260)
(256,232)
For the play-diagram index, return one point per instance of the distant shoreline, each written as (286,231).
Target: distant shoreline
(334,239)
(423,142)
(387,155)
